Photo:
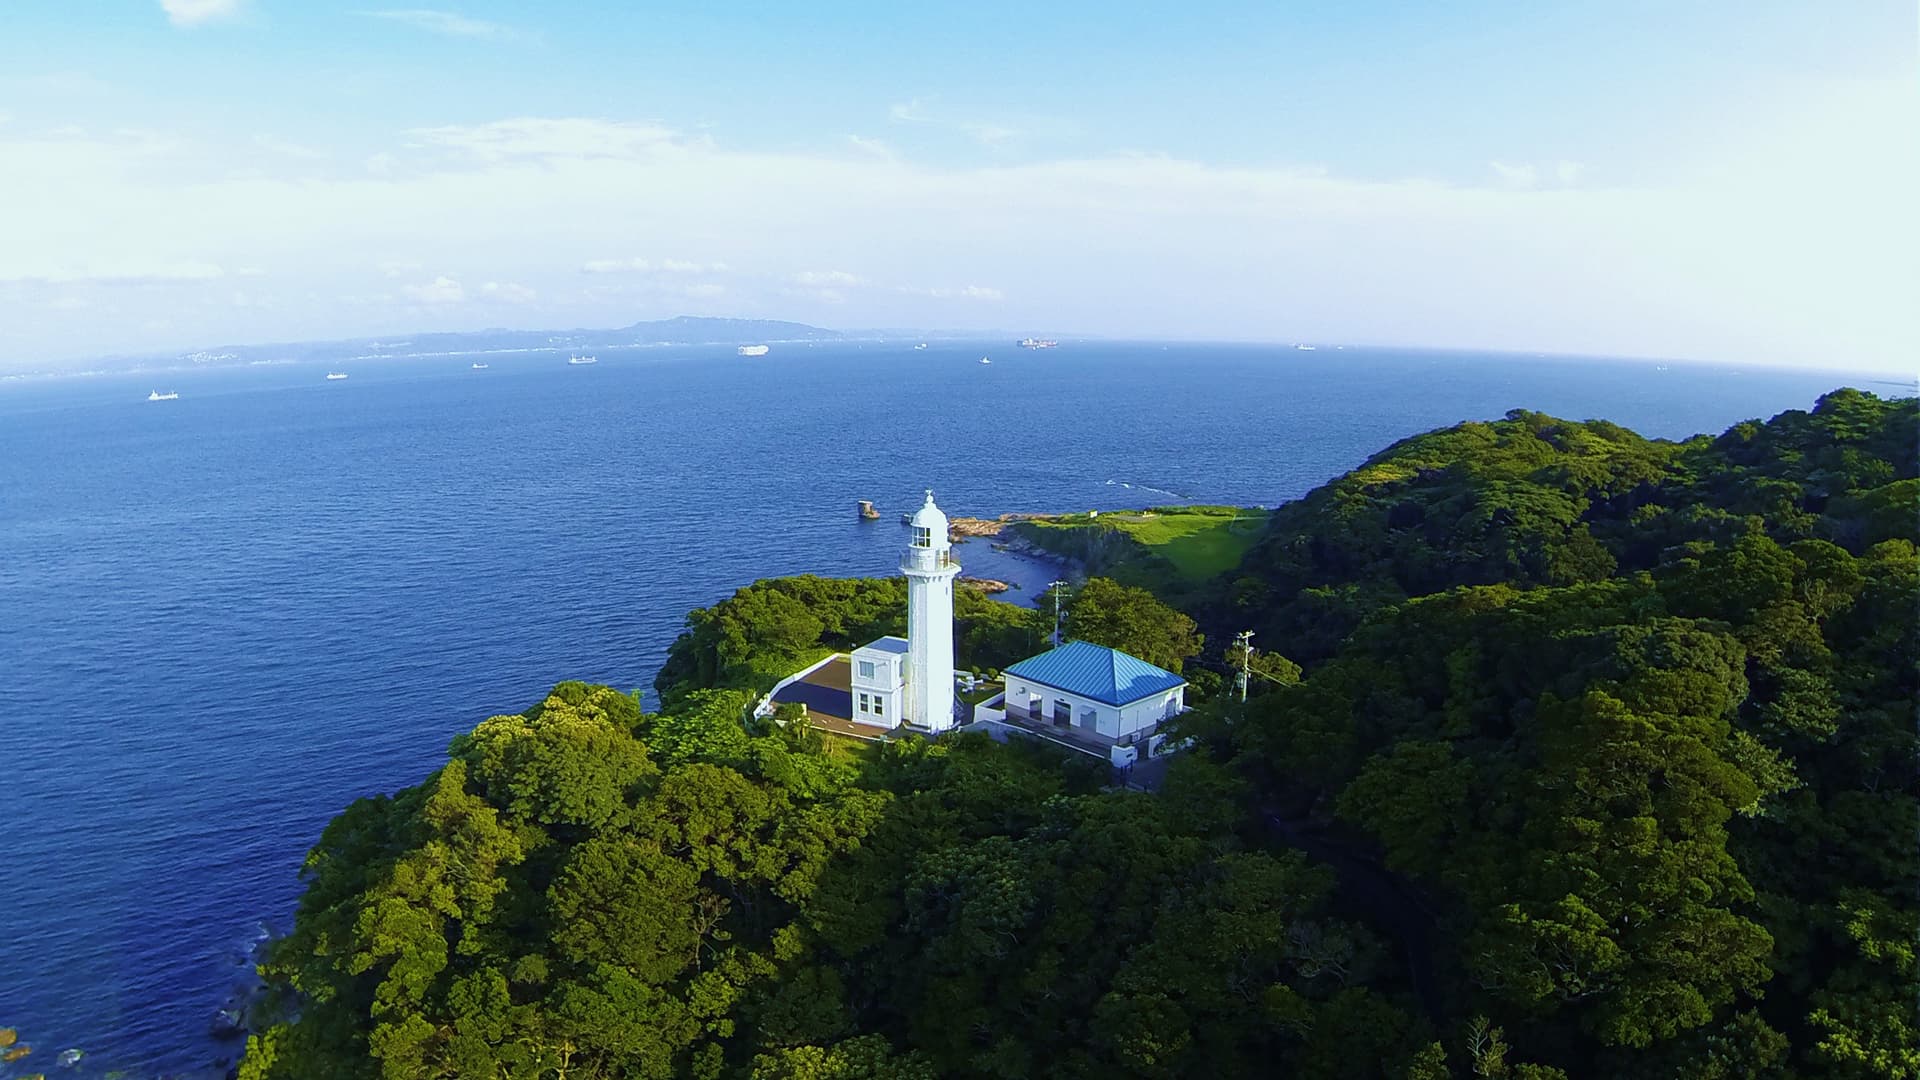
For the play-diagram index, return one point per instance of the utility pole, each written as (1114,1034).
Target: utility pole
(1245,638)
(1056,587)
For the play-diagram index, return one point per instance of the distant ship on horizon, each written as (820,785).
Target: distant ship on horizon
(479,367)
(335,375)
(582,360)
(1038,343)
(1305,348)
(753,350)
(171,395)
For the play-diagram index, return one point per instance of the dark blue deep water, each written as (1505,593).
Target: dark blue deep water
(224,617)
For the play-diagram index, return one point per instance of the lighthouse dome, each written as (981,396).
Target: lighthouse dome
(929,517)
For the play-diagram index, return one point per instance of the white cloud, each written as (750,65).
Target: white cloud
(990,134)
(121,274)
(448,23)
(815,279)
(1757,250)
(616,266)
(964,292)
(510,291)
(380,164)
(1519,176)
(288,148)
(908,112)
(705,290)
(1568,172)
(637,265)
(564,137)
(394,268)
(441,290)
(876,148)
(195,12)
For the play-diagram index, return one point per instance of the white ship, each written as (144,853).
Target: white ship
(479,367)
(1038,343)
(171,395)
(581,360)
(333,375)
(984,360)
(1304,348)
(753,350)
(922,345)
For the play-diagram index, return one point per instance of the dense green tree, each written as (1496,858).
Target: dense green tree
(1132,620)
(1601,762)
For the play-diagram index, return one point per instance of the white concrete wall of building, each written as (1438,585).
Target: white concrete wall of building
(888,684)
(1096,716)
(889,706)
(994,709)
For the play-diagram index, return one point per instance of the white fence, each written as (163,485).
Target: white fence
(765,708)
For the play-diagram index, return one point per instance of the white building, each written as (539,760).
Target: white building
(877,680)
(930,569)
(1094,690)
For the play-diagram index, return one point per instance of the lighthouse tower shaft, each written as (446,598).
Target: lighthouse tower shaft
(930,569)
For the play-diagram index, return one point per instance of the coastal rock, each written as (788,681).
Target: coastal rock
(229,1023)
(962,527)
(985,585)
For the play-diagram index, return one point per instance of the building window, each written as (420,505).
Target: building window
(862,706)
(922,537)
(866,669)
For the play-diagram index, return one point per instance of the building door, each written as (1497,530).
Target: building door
(1035,710)
(1062,714)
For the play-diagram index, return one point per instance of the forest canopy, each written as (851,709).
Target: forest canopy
(1571,753)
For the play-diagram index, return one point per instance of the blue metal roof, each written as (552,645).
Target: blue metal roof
(1097,672)
(895,645)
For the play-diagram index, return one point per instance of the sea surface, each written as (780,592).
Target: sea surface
(222,618)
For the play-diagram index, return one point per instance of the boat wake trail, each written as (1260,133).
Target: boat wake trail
(1143,487)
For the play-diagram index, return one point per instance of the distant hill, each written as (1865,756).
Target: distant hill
(681,330)
(698,330)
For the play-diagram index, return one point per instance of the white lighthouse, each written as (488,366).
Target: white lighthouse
(930,571)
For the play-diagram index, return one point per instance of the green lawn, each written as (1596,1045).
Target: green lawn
(1201,542)
(985,691)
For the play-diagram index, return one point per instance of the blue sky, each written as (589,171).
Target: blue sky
(1723,181)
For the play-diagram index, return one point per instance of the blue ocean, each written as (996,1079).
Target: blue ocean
(223,617)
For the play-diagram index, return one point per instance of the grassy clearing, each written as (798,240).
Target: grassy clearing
(845,747)
(974,697)
(1199,542)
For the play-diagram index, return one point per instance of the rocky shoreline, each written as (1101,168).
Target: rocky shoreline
(961,529)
